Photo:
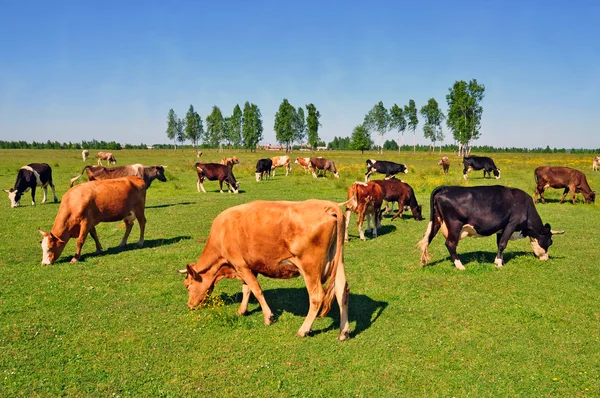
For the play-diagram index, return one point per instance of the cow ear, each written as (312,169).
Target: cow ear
(547,227)
(42,232)
(193,274)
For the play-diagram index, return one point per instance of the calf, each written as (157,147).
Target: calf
(480,163)
(278,240)
(30,177)
(397,191)
(215,171)
(263,169)
(304,163)
(445,163)
(364,199)
(562,177)
(326,165)
(595,163)
(281,161)
(483,211)
(84,154)
(390,169)
(108,156)
(147,173)
(230,162)
(87,205)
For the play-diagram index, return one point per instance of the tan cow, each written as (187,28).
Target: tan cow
(230,162)
(108,156)
(87,205)
(364,198)
(279,240)
(281,161)
(198,154)
(445,163)
(595,163)
(304,163)
(84,154)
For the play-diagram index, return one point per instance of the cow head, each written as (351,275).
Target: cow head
(200,284)
(235,185)
(14,196)
(589,198)
(417,212)
(52,247)
(541,244)
(496,173)
(160,173)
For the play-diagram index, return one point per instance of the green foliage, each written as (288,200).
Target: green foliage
(410,112)
(214,128)
(194,129)
(299,126)
(313,124)
(390,145)
(397,121)
(433,116)
(285,124)
(180,135)
(252,129)
(339,144)
(361,139)
(378,120)
(235,127)
(464,111)
(172,126)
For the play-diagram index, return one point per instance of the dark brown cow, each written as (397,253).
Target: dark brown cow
(445,163)
(323,164)
(571,180)
(108,156)
(364,199)
(87,205)
(215,171)
(147,173)
(279,240)
(397,191)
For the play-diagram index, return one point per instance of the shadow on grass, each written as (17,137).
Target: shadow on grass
(487,257)
(361,309)
(169,205)
(384,230)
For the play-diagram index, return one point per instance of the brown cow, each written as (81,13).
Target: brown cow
(323,164)
(281,161)
(147,173)
(595,163)
(230,162)
(87,205)
(84,154)
(215,171)
(364,199)
(445,163)
(398,191)
(108,156)
(278,240)
(304,163)
(571,180)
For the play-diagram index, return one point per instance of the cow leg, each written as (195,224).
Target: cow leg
(502,241)
(33,195)
(538,191)
(348,214)
(367,175)
(250,279)
(245,299)
(573,192)
(128,227)
(45,189)
(83,231)
(316,294)
(96,240)
(53,192)
(200,185)
(564,195)
(342,294)
(139,214)
(361,219)
(399,213)
(452,243)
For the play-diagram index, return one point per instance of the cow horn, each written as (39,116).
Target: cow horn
(557,232)
(163,166)
(182,271)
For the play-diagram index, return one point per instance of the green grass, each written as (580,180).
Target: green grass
(117,323)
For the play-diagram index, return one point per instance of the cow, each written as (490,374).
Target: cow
(595,163)
(84,154)
(364,199)
(108,156)
(480,163)
(198,154)
(30,177)
(445,163)
(215,171)
(263,169)
(279,240)
(326,165)
(87,205)
(571,180)
(304,163)
(281,161)
(147,173)
(390,169)
(230,162)
(483,211)
(398,191)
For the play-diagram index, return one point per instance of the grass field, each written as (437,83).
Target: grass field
(117,324)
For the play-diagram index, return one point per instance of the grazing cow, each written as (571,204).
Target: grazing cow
(397,191)
(480,163)
(364,199)
(263,169)
(305,163)
(215,171)
(390,169)
(281,161)
(595,163)
(84,154)
(87,205)
(278,240)
(198,154)
(483,211)
(323,164)
(147,173)
(30,177)
(230,162)
(108,156)
(445,163)
(562,177)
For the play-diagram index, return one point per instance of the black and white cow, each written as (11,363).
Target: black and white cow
(390,169)
(30,177)
(263,169)
(480,163)
(483,211)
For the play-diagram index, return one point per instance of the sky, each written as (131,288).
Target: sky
(111,70)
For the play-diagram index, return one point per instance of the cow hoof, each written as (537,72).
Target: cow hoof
(301,333)
(74,260)
(269,320)
(140,244)
(343,336)
(459,265)
(498,262)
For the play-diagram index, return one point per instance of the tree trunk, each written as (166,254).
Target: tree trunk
(414,142)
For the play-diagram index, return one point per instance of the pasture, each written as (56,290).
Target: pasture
(117,324)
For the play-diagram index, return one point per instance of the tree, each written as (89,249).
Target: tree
(464,113)
(252,128)
(390,145)
(285,123)
(193,129)
(410,112)
(432,129)
(180,131)
(398,122)
(227,130)
(361,138)
(378,119)
(235,127)
(299,126)
(312,123)
(172,127)
(214,128)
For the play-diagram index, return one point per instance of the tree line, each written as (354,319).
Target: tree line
(93,144)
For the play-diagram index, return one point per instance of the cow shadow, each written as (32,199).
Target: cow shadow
(383,230)
(487,257)
(169,205)
(362,310)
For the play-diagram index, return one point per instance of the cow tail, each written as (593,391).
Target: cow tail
(77,177)
(429,234)
(338,261)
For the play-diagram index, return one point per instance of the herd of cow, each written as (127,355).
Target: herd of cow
(302,238)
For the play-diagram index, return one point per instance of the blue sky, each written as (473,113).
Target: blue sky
(111,70)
